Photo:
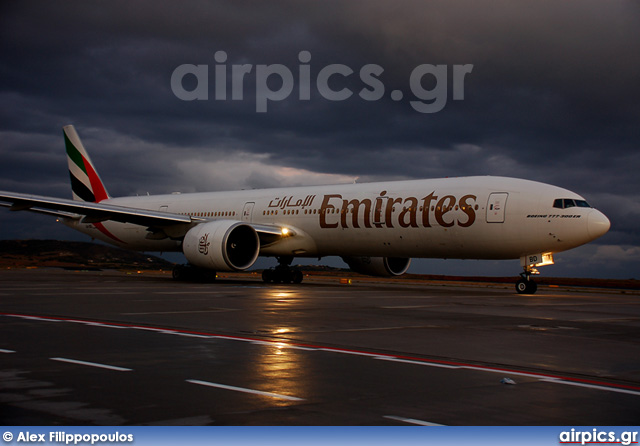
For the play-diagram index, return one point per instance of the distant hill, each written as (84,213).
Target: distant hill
(54,253)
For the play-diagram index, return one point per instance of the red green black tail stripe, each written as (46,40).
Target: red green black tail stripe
(85,182)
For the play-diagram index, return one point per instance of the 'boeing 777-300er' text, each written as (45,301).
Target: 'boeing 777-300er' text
(375,227)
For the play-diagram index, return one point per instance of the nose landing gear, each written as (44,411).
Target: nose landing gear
(526,285)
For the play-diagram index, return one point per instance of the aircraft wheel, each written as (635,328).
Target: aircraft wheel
(288,276)
(533,287)
(179,273)
(524,286)
(268,276)
(281,275)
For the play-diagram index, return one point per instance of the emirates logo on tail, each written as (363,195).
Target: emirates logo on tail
(203,246)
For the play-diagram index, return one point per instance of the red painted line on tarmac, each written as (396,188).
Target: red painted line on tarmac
(333,349)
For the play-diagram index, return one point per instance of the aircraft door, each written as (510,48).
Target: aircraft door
(378,210)
(496,207)
(247,211)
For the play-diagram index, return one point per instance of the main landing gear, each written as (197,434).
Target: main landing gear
(526,285)
(283,273)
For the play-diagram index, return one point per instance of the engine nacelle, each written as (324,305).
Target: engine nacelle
(378,266)
(223,245)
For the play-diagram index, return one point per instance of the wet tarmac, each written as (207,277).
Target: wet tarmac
(110,348)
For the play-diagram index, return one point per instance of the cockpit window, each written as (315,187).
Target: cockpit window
(564,203)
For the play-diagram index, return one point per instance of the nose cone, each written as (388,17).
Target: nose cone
(597,224)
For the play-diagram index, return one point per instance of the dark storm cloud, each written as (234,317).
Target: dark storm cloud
(553,96)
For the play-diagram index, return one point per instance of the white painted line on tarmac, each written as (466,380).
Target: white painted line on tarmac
(500,371)
(99,324)
(37,318)
(590,386)
(92,364)
(2,350)
(190,335)
(631,390)
(348,352)
(412,421)
(244,390)
(154,330)
(295,347)
(409,361)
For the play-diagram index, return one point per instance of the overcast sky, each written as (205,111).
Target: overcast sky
(553,96)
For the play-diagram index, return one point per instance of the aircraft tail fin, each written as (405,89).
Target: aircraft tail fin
(86,184)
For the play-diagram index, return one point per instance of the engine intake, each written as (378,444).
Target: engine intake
(378,266)
(223,245)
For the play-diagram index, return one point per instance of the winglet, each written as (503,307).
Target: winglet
(86,184)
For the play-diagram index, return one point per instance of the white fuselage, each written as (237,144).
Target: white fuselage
(464,218)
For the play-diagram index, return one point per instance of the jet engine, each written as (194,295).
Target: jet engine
(378,266)
(223,245)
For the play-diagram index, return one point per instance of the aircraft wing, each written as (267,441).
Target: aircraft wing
(91,212)
(88,212)
(48,212)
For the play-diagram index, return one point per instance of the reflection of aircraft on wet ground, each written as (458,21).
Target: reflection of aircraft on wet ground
(376,227)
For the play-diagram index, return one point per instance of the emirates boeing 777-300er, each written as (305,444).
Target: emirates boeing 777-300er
(375,227)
